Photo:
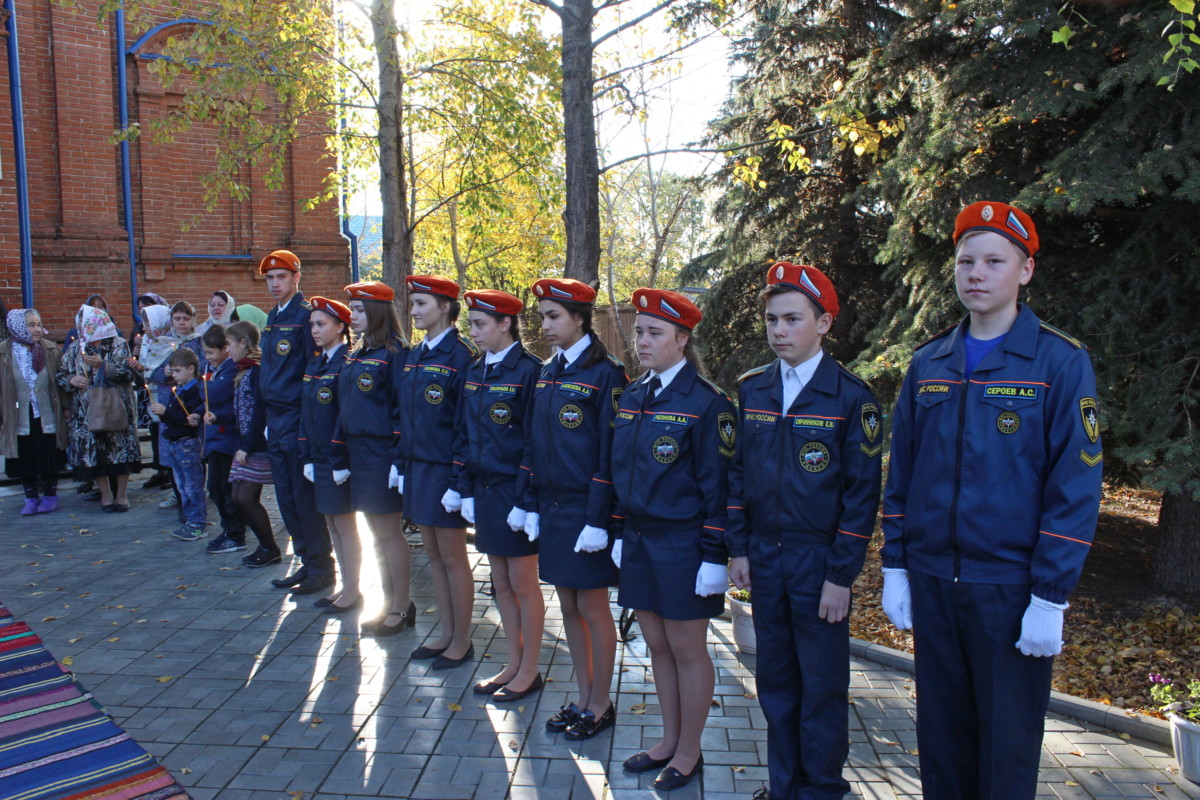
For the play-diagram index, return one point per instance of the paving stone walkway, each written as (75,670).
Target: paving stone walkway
(245,694)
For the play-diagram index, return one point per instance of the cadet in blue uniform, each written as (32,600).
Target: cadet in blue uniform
(803,495)
(364,443)
(991,503)
(569,499)
(330,327)
(430,387)
(287,347)
(674,439)
(492,441)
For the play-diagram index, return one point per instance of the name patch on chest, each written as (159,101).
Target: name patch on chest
(434,369)
(813,423)
(670,418)
(581,389)
(503,389)
(1010,390)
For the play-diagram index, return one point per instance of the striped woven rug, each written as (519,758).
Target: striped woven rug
(56,742)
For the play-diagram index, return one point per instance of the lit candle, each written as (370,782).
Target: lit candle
(181,405)
(205,381)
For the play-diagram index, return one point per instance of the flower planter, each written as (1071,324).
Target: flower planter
(1185,737)
(743,625)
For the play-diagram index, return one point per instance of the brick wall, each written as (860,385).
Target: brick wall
(70,89)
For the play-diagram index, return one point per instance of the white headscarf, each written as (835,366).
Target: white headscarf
(224,319)
(156,346)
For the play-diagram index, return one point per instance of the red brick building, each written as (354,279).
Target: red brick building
(71,91)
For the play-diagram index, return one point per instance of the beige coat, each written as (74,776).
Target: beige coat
(9,421)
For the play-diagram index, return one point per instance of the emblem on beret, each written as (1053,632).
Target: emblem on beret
(814,457)
(779,272)
(571,416)
(665,450)
(434,394)
(870,421)
(987,213)
(643,301)
(500,413)
(1008,422)
(283,347)
(271,262)
(324,395)
(537,290)
(1089,411)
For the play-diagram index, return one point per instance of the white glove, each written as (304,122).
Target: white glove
(340,476)
(394,477)
(451,501)
(400,484)
(516,519)
(616,552)
(591,539)
(1041,628)
(266,434)
(308,473)
(468,509)
(897,597)
(712,579)
(532,522)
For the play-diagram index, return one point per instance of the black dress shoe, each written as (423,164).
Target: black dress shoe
(444,662)
(376,627)
(671,778)
(108,509)
(311,585)
(324,602)
(424,653)
(643,762)
(564,719)
(121,507)
(588,725)
(509,695)
(334,608)
(488,687)
(291,580)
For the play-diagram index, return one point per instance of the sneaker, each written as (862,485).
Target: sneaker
(170,502)
(225,544)
(156,481)
(262,557)
(190,533)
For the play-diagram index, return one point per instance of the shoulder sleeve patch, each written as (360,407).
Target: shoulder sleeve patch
(753,372)
(1071,340)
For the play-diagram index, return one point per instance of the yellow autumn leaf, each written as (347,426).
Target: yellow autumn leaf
(165,678)
(454,706)
(68,661)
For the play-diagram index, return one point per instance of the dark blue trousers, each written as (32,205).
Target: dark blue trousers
(297,505)
(803,674)
(981,704)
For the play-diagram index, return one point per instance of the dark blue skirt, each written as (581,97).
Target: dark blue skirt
(562,520)
(424,484)
(494,498)
(330,498)
(659,562)
(370,465)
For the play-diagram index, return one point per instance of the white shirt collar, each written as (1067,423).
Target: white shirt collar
(436,340)
(667,375)
(576,350)
(330,352)
(496,358)
(804,370)
(282,307)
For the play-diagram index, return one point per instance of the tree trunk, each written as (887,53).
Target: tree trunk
(397,234)
(460,264)
(582,215)
(1177,557)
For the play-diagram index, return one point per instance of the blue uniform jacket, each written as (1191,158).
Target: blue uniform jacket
(430,386)
(222,436)
(807,476)
(174,420)
(671,456)
(573,420)
(287,346)
(494,435)
(368,398)
(319,408)
(996,479)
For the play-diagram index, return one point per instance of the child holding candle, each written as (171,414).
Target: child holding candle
(178,407)
(221,440)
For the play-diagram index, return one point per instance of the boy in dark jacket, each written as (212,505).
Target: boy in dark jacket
(179,406)
(221,440)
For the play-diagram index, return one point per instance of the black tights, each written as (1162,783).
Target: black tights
(45,486)
(247,497)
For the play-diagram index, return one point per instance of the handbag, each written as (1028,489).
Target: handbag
(106,407)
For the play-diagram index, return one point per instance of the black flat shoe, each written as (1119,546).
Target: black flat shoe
(324,602)
(508,695)
(564,719)
(334,608)
(121,507)
(671,778)
(444,662)
(291,580)
(108,509)
(643,762)
(588,725)
(488,687)
(376,627)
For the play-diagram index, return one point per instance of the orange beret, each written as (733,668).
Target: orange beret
(371,290)
(671,306)
(809,280)
(568,290)
(494,301)
(280,259)
(1011,223)
(431,284)
(331,307)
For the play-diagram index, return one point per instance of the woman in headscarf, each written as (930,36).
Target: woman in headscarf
(32,436)
(162,475)
(99,357)
(95,301)
(155,347)
(220,311)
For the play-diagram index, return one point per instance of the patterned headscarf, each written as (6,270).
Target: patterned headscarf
(30,355)
(94,325)
(157,344)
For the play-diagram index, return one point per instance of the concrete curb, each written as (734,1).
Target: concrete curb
(1149,729)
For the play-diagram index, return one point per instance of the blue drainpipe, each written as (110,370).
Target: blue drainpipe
(126,177)
(18,118)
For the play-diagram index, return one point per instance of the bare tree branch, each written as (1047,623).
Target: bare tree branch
(625,25)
